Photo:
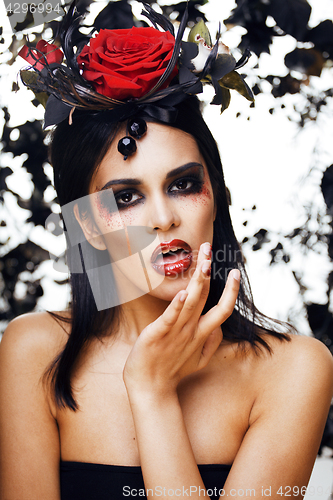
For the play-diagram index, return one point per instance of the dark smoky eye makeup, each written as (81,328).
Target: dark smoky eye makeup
(127,198)
(113,199)
(106,201)
(187,184)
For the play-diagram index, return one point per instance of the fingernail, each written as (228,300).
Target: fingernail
(206,267)
(206,248)
(235,274)
(182,296)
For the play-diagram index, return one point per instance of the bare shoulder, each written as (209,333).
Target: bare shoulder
(32,340)
(29,345)
(297,372)
(30,446)
(37,330)
(302,355)
(301,352)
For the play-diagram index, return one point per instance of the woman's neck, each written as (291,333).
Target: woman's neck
(139,313)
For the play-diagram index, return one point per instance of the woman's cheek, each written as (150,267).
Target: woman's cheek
(206,194)
(201,200)
(109,219)
(117,219)
(129,217)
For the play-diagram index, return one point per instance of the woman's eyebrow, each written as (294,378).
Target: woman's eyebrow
(135,182)
(183,168)
(131,180)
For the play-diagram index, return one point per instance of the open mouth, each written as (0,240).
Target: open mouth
(172,258)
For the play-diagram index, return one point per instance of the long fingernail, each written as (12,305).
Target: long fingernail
(235,274)
(206,248)
(206,267)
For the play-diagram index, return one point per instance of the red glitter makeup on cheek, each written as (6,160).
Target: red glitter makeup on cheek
(128,217)
(206,190)
(111,218)
(203,197)
(205,193)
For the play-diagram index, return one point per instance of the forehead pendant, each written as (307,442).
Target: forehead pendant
(136,128)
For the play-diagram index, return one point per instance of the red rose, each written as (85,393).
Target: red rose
(127,63)
(51,52)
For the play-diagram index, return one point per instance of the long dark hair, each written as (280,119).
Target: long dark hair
(76,151)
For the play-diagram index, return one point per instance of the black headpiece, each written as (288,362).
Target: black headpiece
(127,72)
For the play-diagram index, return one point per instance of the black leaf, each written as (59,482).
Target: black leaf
(286,85)
(189,51)
(4,172)
(322,37)
(307,61)
(247,12)
(258,38)
(318,316)
(261,237)
(55,112)
(194,14)
(226,98)
(218,97)
(185,75)
(291,16)
(28,22)
(223,65)
(116,15)
(327,187)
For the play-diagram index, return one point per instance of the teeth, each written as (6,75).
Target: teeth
(172,249)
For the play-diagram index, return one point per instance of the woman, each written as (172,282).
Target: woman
(152,384)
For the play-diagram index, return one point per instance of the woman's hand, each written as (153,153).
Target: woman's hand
(181,341)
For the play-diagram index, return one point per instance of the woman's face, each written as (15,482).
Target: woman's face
(154,210)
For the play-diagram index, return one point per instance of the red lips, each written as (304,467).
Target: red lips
(172,258)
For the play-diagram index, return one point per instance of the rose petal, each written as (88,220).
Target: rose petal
(127,63)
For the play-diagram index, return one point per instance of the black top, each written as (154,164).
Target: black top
(85,481)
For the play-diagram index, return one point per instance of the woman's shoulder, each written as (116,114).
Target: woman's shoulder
(296,364)
(37,334)
(29,345)
(300,354)
(284,354)
(298,372)
(30,434)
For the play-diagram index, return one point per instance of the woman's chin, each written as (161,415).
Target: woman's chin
(169,288)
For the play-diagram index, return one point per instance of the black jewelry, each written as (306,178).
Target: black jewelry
(127,146)
(136,128)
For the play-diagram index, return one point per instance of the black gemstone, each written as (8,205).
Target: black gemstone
(137,127)
(127,146)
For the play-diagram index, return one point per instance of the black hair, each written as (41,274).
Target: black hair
(76,151)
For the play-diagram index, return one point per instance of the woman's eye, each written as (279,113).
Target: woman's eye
(126,198)
(181,185)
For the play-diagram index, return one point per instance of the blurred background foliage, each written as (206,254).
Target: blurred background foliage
(262,22)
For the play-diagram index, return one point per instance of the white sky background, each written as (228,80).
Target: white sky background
(267,162)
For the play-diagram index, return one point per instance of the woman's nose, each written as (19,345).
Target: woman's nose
(162,215)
